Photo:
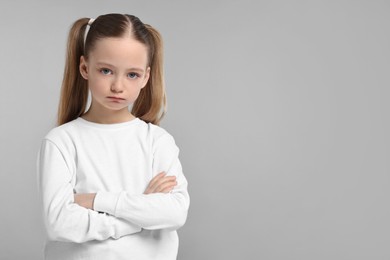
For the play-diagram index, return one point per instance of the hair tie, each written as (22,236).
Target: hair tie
(90,21)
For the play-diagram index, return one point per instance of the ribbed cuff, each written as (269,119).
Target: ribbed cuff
(106,202)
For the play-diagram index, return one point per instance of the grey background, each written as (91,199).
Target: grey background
(280,109)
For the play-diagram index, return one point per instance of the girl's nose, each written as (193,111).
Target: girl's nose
(116,86)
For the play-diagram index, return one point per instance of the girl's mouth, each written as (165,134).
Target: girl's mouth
(116,98)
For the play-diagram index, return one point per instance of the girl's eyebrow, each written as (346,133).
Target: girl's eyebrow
(112,66)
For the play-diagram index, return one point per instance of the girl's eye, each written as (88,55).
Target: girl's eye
(105,71)
(133,75)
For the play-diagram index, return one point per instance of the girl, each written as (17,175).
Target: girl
(110,180)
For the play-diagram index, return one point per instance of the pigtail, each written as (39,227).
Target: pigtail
(150,105)
(74,90)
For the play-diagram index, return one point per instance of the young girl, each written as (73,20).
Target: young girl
(110,180)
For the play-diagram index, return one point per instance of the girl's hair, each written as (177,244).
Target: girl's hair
(150,105)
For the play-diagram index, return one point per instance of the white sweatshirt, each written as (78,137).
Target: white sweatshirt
(117,161)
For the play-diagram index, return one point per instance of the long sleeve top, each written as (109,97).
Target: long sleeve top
(117,162)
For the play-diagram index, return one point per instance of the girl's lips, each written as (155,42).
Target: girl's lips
(116,98)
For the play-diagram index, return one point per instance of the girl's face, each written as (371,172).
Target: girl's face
(116,71)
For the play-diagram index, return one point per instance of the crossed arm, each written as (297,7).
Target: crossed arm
(76,217)
(159,184)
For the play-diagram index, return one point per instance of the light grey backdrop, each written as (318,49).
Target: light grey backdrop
(280,109)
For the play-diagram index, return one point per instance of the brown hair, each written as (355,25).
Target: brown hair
(150,105)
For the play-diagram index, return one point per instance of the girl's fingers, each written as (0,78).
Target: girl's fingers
(167,190)
(156,178)
(162,180)
(161,183)
(154,182)
(167,186)
(166,181)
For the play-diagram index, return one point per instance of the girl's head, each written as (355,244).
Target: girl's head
(120,57)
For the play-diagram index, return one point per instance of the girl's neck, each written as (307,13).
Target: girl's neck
(108,117)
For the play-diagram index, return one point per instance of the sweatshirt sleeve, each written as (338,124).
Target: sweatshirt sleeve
(156,210)
(64,220)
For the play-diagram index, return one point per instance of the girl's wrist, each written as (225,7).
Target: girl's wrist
(85,200)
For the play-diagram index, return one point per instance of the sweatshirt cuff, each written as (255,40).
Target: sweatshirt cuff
(106,202)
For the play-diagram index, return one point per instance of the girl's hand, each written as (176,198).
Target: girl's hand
(85,199)
(161,183)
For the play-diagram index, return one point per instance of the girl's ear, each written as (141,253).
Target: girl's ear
(83,68)
(146,78)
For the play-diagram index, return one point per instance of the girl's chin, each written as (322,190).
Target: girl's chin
(116,106)
(113,107)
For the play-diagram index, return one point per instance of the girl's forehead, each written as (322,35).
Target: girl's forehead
(120,50)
